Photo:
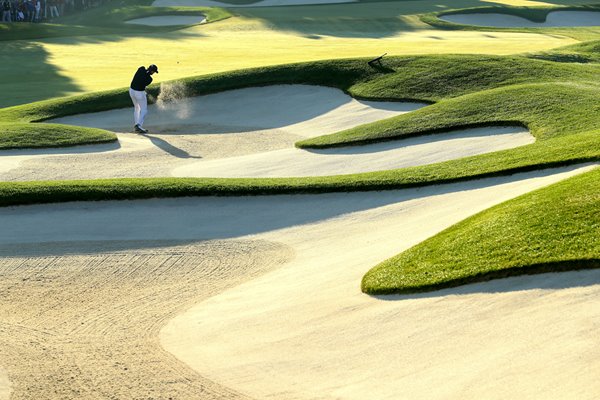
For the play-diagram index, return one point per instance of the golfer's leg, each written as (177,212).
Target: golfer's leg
(143,102)
(136,106)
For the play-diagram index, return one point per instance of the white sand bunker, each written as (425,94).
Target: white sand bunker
(184,130)
(169,20)
(263,3)
(306,111)
(554,19)
(367,158)
(268,337)
(79,320)
(289,112)
(5,389)
(305,331)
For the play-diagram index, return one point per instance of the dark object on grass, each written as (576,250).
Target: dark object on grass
(376,60)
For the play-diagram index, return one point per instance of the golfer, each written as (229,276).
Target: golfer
(137,91)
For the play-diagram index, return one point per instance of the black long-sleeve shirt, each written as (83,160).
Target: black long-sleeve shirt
(141,79)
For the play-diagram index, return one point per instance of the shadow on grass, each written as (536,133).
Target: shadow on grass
(29,74)
(365,19)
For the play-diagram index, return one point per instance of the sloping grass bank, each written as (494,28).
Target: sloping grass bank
(32,136)
(549,230)
(558,102)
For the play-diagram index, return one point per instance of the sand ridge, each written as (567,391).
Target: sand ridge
(293,162)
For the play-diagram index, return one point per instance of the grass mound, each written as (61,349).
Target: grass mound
(20,135)
(551,229)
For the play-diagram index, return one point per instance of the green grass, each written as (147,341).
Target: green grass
(558,102)
(551,229)
(108,19)
(30,136)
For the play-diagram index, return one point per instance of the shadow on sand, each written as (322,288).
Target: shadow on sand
(587,274)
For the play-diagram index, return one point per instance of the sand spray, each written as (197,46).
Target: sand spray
(173,96)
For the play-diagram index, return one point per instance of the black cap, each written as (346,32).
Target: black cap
(153,67)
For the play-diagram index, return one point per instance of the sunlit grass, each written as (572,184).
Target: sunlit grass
(100,62)
(549,230)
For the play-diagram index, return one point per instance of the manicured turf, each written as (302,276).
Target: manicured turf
(30,136)
(549,230)
(107,19)
(98,51)
(558,102)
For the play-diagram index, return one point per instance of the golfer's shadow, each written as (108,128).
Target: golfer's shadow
(168,147)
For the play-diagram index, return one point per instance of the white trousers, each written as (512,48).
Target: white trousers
(140,106)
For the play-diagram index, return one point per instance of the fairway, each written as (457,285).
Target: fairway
(295,221)
(44,68)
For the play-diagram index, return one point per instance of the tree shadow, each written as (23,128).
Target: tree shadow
(29,74)
(350,20)
(26,69)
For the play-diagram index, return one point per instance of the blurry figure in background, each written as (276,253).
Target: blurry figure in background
(38,10)
(53,9)
(137,92)
(30,7)
(6,9)
(20,14)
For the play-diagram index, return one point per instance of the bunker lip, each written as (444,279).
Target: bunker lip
(263,3)
(262,123)
(184,131)
(255,324)
(168,20)
(499,20)
(396,154)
